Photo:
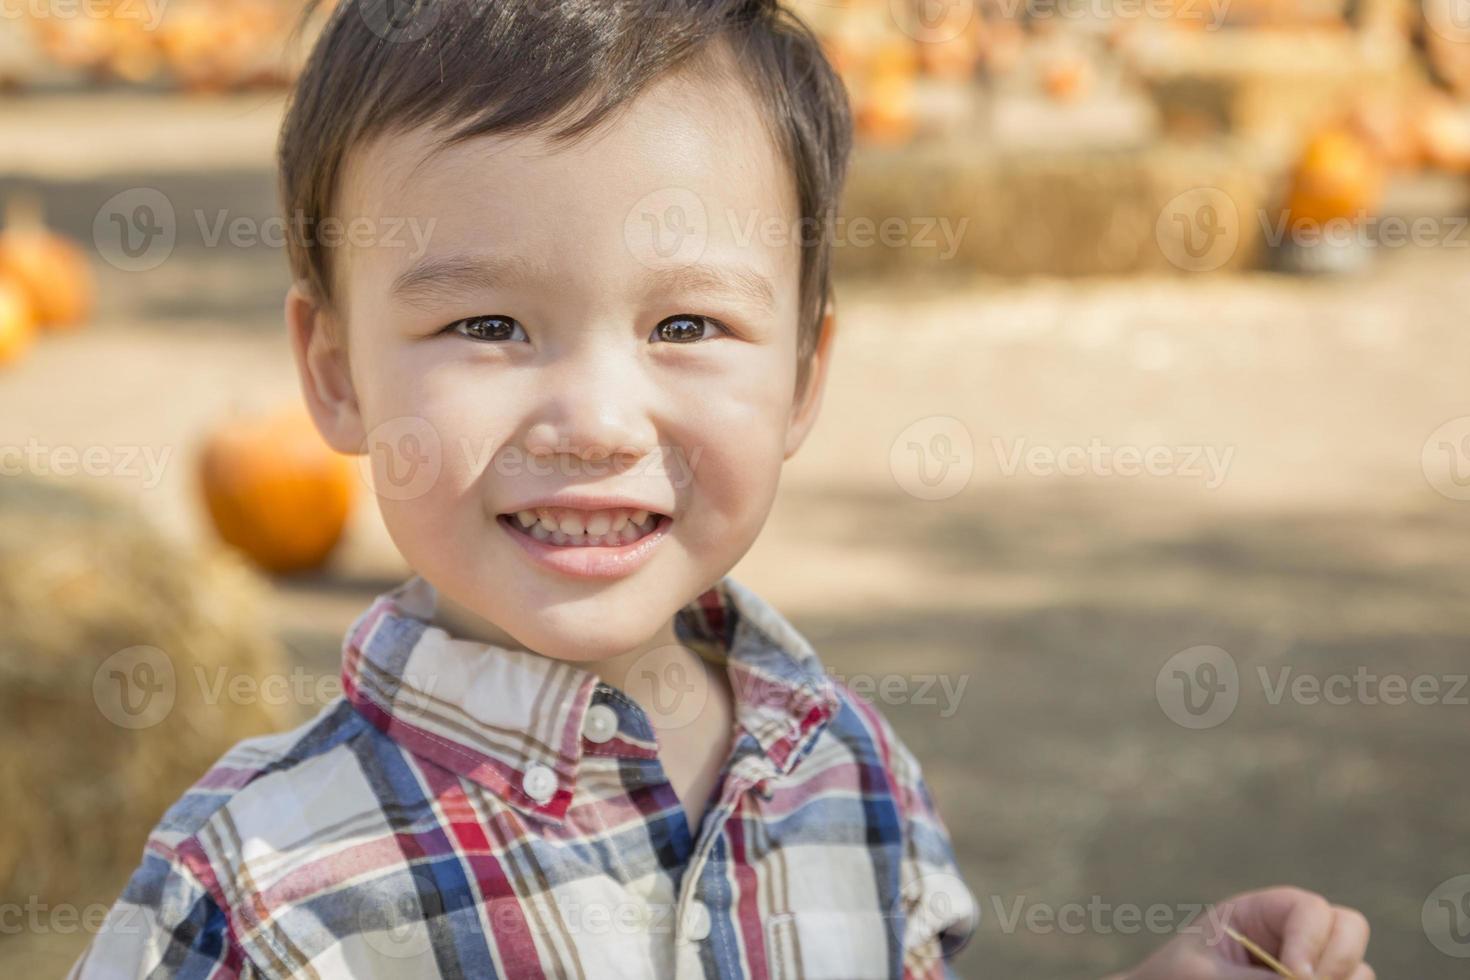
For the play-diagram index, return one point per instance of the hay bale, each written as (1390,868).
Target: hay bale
(96,608)
(1087,211)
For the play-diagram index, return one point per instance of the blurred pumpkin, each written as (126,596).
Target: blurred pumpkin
(894,57)
(1338,177)
(1066,79)
(954,58)
(1382,120)
(275,490)
(885,114)
(17,320)
(53,269)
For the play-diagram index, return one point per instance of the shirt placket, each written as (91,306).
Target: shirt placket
(693,917)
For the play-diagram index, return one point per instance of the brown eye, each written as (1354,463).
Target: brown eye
(488,328)
(683,329)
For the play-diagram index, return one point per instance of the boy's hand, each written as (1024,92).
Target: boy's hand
(1312,938)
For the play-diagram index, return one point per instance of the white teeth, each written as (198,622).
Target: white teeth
(607,528)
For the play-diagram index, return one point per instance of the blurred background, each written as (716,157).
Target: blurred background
(1138,503)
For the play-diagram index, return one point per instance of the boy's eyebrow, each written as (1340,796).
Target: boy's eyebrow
(471,271)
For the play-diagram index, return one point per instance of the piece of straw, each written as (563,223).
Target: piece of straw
(1259,953)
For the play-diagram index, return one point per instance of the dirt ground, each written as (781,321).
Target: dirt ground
(1031,617)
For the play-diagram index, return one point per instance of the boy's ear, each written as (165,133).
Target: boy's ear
(322,366)
(809,402)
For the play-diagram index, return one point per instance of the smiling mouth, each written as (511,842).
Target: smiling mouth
(614,528)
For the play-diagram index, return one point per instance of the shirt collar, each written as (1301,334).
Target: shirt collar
(492,714)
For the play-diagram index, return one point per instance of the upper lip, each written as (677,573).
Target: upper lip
(593,502)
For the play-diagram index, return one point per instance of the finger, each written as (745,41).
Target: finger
(1308,926)
(1345,947)
(1364,972)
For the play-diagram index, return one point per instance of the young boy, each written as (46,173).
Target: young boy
(570,745)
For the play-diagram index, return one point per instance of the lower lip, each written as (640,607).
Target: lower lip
(590,561)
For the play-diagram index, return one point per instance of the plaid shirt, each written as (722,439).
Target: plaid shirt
(464,811)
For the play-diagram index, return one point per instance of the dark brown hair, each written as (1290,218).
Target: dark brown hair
(475,67)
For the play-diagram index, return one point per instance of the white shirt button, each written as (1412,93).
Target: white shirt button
(600,724)
(696,921)
(539,783)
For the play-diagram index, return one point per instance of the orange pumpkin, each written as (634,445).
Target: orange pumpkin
(17,321)
(53,270)
(953,59)
(1338,177)
(276,491)
(885,113)
(1066,79)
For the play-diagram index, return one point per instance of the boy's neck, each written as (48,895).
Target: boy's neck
(657,654)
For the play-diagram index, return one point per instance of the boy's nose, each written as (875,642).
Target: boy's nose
(594,404)
(593,429)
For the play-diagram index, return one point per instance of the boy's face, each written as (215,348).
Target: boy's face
(612,318)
